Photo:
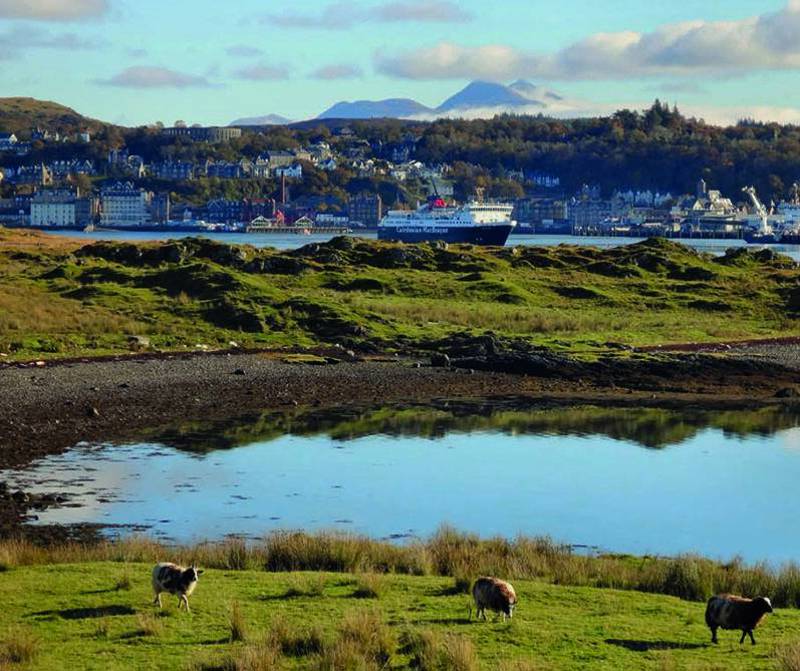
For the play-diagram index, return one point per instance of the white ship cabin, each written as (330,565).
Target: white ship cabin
(438,212)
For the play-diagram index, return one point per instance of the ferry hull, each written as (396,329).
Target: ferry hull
(495,234)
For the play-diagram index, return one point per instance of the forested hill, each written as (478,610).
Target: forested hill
(658,149)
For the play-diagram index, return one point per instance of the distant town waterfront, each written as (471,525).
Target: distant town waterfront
(293,241)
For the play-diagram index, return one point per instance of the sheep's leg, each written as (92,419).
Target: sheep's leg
(713,634)
(157,600)
(744,633)
(752,638)
(185,600)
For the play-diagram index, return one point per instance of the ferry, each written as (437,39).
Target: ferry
(477,223)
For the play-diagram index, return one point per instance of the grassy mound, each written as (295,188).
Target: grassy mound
(60,299)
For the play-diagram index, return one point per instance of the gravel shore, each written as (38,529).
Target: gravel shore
(49,407)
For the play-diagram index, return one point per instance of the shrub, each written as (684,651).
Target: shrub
(236,554)
(236,623)
(687,578)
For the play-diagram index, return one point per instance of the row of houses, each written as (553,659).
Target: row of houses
(46,174)
(123,205)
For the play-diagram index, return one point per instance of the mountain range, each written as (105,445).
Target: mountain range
(479,99)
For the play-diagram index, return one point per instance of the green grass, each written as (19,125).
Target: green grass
(60,299)
(81,621)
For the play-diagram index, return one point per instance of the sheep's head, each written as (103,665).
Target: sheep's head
(193,573)
(764,604)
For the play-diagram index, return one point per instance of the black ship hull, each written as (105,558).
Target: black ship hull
(490,234)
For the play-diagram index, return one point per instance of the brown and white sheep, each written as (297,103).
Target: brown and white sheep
(725,611)
(496,595)
(174,579)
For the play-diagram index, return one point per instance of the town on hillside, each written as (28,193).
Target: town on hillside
(343,177)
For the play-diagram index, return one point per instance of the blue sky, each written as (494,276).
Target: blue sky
(137,62)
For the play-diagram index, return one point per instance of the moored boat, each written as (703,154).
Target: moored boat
(476,223)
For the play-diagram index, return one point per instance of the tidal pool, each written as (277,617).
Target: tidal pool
(625,480)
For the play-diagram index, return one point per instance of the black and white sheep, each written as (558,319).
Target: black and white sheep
(174,579)
(496,595)
(735,612)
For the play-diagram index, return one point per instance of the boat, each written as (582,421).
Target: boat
(477,223)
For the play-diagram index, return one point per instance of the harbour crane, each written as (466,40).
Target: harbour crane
(764,229)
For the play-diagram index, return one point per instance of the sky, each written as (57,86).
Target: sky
(136,62)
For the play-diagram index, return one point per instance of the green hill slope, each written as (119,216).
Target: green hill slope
(19,115)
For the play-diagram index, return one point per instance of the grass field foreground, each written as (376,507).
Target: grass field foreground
(100,616)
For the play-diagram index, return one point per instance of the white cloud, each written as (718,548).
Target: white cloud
(150,77)
(767,42)
(15,41)
(339,71)
(52,10)
(260,73)
(342,15)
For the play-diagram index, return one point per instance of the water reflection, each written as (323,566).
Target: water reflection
(654,428)
(577,474)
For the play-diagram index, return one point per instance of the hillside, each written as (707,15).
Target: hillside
(377,296)
(19,115)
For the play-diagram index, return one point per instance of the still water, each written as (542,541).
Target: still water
(625,480)
(290,241)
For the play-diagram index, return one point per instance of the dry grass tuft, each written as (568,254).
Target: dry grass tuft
(368,586)
(20,646)
(787,657)
(149,625)
(432,651)
(236,623)
(295,643)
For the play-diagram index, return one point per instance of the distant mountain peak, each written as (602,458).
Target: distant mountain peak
(266,120)
(370,109)
(483,94)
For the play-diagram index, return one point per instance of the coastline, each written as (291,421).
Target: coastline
(46,407)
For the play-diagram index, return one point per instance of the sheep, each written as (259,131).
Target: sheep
(174,579)
(725,611)
(494,594)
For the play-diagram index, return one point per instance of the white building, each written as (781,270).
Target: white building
(53,208)
(290,171)
(124,205)
(7,141)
